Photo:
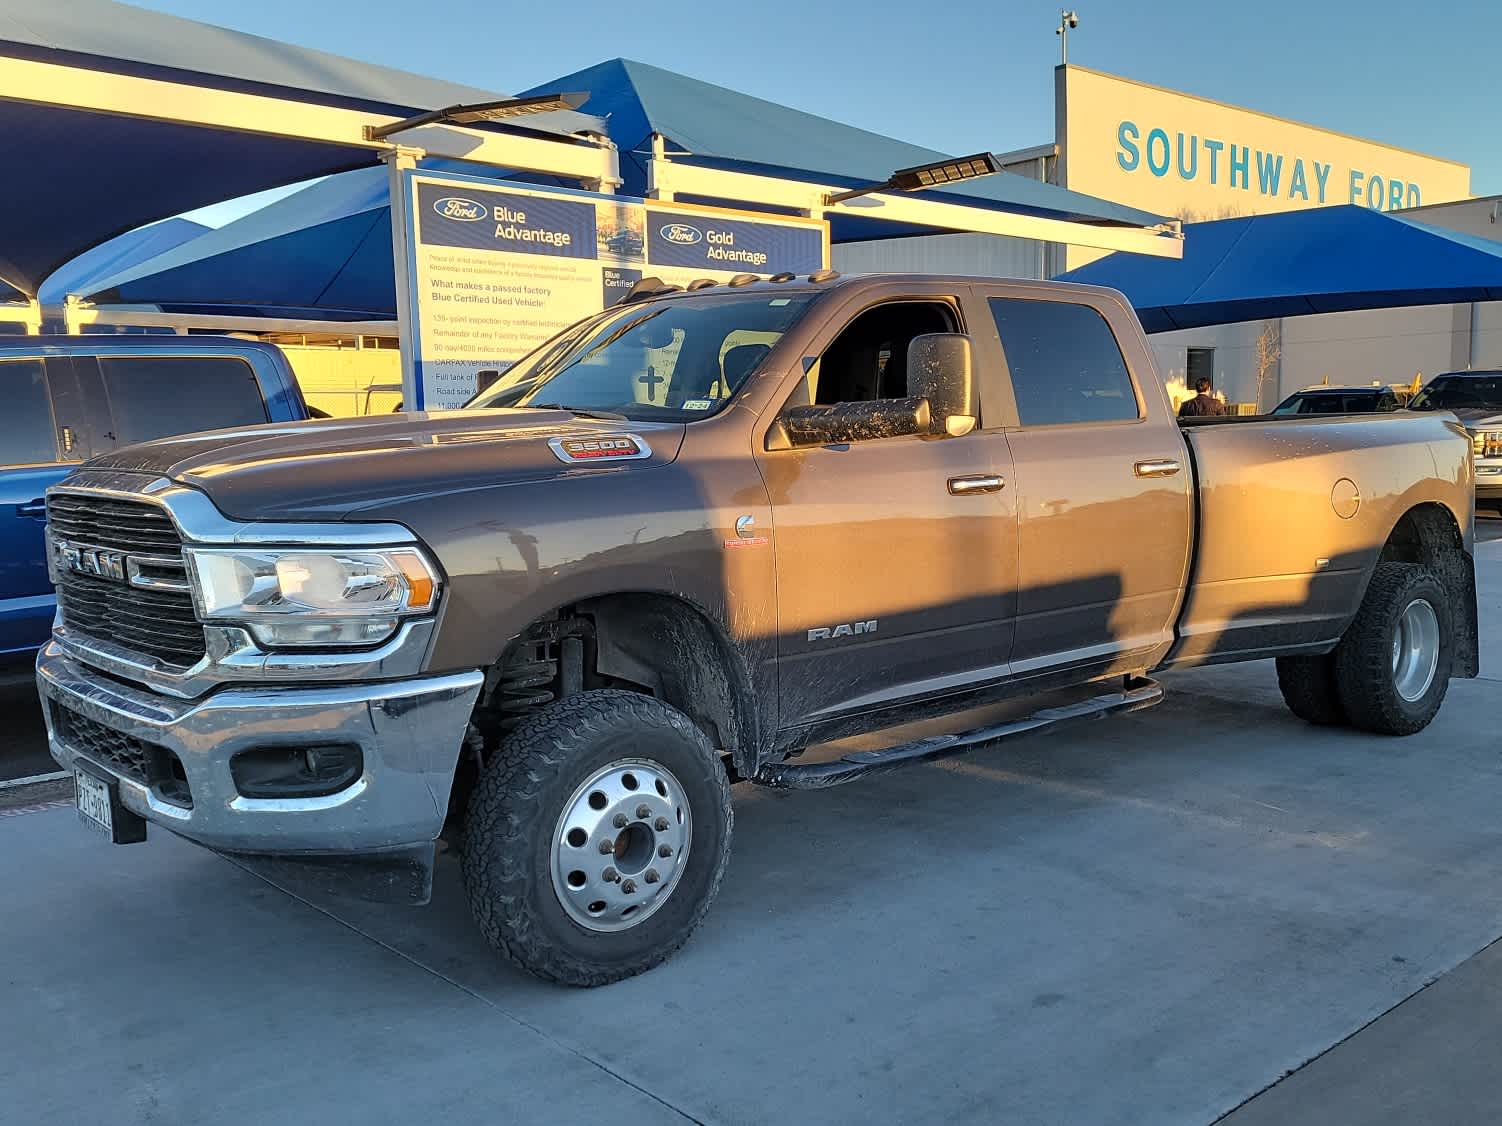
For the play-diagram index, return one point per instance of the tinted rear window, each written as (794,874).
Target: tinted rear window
(154,396)
(26,434)
(1065,363)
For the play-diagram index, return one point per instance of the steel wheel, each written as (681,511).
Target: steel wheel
(1415,649)
(621,845)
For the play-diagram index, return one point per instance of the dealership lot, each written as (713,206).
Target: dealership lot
(1150,919)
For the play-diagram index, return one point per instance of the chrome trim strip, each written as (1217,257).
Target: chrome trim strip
(199,522)
(233,658)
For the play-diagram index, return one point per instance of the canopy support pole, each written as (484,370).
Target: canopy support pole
(399,162)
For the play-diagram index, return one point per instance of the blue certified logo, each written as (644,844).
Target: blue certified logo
(457,207)
(682,234)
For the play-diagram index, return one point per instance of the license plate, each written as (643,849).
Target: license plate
(99,808)
(94,807)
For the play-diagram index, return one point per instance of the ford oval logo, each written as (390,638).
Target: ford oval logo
(682,234)
(457,207)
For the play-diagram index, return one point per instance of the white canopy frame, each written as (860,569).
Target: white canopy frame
(668,179)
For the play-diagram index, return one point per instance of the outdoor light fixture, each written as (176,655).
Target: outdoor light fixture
(924,176)
(480,112)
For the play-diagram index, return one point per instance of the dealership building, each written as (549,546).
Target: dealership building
(1196,160)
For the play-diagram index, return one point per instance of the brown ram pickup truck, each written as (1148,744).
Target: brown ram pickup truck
(753,531)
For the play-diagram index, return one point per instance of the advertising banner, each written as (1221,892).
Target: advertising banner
(494,269)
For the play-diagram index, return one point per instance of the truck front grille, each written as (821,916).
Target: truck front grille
(156,623)
(136,759)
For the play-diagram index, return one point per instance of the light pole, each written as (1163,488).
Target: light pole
(1068,20)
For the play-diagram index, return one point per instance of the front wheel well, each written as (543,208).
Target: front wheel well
(654,644)
(1428,534)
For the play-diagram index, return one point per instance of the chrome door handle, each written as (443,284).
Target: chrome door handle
(1158,467)
(983,483)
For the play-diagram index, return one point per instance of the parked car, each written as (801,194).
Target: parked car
(1323,399)
(1475,397)
(557,631)
(63,401)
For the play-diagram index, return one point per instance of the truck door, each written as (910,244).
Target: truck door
(1103,487)
(40,439)
(895,556)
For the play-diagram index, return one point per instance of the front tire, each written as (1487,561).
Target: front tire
(1392,667)
(596,838)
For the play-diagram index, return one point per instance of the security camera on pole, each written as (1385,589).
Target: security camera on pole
(1068,20)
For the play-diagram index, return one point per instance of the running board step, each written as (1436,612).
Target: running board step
(1136,694)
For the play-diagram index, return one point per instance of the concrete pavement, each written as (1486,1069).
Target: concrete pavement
(1147,920)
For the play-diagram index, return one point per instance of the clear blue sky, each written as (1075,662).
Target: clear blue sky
(961,75)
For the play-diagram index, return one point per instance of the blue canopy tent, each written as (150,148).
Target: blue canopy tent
(324,251)
(118,254)
(97,105)
(1322,260)
(326,248)
(713,126)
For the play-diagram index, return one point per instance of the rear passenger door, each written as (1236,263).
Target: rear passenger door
(143,396)
(41,436)
(1102,484)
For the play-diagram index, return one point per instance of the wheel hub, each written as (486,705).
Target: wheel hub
(1415,650)
(621,844)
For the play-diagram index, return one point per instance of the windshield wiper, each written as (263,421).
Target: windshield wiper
(608,416)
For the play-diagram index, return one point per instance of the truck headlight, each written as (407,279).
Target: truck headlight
(298,596)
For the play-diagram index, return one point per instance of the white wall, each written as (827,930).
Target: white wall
(995,256)
(1382,345)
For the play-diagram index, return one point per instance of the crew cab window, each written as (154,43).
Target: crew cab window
(153,396)
(26,431)
(868,360)
(1065,363)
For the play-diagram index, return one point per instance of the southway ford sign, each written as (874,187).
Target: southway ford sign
(1249,169)
(1194,158)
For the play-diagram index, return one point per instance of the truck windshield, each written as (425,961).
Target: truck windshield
(1460,392)
(678,360)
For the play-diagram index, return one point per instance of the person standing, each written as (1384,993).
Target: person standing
(1203,402)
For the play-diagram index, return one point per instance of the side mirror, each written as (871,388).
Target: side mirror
(940,369)
(849,422)
(485,378)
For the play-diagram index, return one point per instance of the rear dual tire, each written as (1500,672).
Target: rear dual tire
(1391,671)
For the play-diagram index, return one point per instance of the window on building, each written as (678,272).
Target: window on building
(26,433)
(153,396)
(1065,363)
(1199,364)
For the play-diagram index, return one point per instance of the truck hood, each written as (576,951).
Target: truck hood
(330,469)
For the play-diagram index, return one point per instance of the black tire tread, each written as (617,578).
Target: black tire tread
(507,807)
(1309,689)
(1363,661)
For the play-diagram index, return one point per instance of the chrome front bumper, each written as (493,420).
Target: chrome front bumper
(409,733)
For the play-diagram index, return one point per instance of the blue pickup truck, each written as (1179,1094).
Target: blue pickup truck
(65,400)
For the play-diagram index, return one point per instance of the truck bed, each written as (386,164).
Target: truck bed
(1292,514)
